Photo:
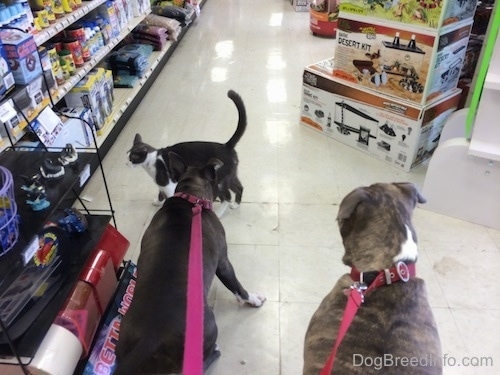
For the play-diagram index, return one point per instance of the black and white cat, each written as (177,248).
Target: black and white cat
(157,164)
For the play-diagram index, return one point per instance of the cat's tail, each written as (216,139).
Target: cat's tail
(242,119)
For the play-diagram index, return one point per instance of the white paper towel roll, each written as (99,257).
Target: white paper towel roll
(58,353)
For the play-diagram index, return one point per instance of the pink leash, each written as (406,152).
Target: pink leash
(193,341)
(356,296)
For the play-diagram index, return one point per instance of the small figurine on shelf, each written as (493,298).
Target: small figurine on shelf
(73,222)
(37,202)
(32,185)
(68,155)
(51,170)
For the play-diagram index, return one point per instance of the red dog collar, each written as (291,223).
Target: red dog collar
(399,272)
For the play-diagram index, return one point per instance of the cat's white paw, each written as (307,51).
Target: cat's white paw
(234,205)
(254,299)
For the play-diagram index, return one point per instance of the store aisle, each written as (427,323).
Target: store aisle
(283,240)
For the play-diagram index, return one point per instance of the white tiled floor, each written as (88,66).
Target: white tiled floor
(283,241)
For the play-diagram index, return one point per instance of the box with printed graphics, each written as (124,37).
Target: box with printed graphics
(410,64)
(432,14)
(394,131)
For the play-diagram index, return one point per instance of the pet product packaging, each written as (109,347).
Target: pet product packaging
(87,93)
(102,356)
(76,131)
(11,119)
(21,51)
(6,76)
(99,273)
(433,14)
(392,130)
(411,64)
(115,244)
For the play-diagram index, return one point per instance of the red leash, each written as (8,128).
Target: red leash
(400,272)
(193,341)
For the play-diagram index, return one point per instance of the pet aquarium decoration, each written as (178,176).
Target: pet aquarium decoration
(9,222)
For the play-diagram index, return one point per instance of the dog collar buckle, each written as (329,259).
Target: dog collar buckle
(403,271)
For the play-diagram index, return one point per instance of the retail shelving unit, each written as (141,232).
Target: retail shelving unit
(463,176)
(27,312)
(21,336)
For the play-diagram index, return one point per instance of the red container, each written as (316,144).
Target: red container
(99,273)
(322,23)
(74,46)
(115,244)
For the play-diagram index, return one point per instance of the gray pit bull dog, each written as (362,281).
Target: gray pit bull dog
(393,331)
(152,331)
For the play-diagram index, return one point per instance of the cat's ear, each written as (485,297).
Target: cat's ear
(137,139)
(177,165)
(210,169)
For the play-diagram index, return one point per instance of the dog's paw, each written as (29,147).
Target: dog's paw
(254,299)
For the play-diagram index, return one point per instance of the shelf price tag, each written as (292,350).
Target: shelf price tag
(85,175)
(7,112)
(30,250)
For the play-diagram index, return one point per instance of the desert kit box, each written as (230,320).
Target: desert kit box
(415,65)
(399,133)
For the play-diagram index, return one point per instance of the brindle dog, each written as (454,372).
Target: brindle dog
(393,332)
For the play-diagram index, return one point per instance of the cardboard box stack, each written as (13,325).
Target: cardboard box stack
(393,80)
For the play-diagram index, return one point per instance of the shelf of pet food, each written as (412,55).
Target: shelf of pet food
(124,96)
(61,23)
(80,248)
(82,72)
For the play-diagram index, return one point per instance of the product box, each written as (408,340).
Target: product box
(432,14)
(33,97)
(48,127)
(87,93)
(11,119)
(300,5)
(102,356)
(21,51)
(410,64)
(397,132)
(6,76)
(74,130)
(140,7)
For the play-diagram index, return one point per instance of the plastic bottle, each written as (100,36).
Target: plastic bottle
(99,37)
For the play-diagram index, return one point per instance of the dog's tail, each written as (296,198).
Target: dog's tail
(242,119)
(130,363)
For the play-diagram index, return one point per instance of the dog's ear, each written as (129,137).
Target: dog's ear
(411,190)
(350,202)
(177,165)
(210,169)
(137,139)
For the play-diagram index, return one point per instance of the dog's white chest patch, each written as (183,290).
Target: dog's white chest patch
(409,249)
